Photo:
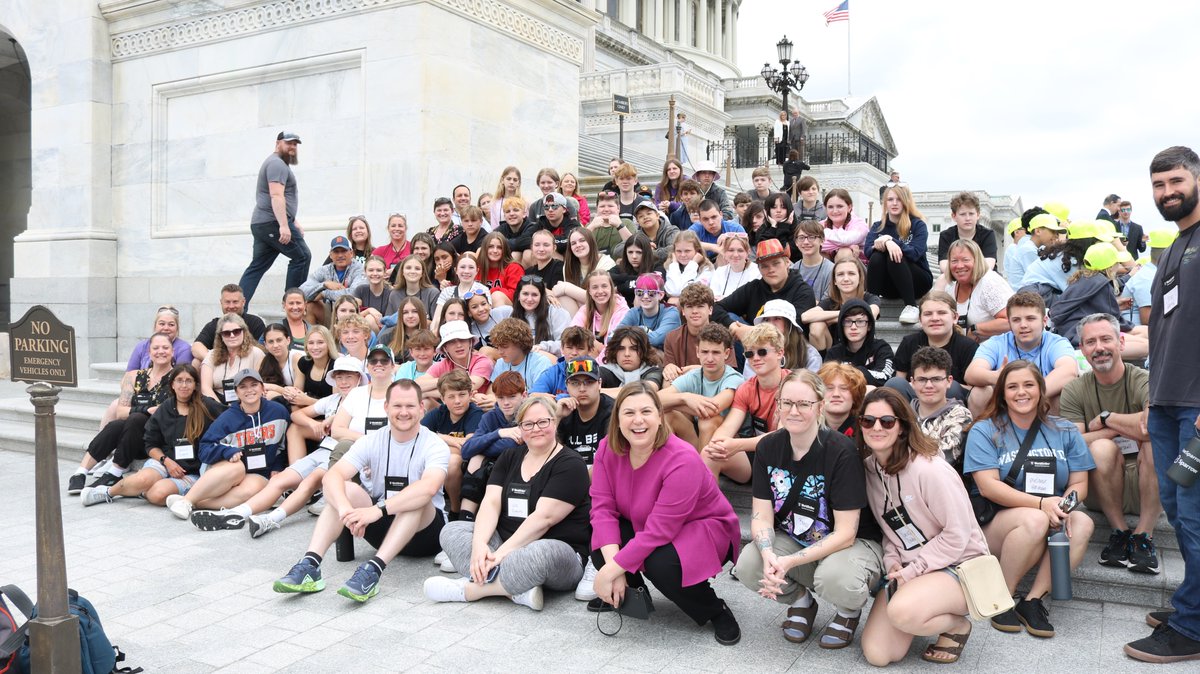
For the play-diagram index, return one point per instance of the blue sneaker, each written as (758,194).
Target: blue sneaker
(304,577)
(363,585)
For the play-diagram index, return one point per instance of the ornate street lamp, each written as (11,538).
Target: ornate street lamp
(789,77)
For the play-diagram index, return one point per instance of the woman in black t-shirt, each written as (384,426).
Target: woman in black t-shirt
(811,527)
(532,530)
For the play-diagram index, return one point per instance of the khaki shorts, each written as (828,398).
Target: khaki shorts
(1131,499)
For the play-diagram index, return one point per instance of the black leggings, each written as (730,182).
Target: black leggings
(904,279)
(700,602)
(121,438)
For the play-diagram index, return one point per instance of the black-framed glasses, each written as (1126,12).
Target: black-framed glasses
(805,238)
(800,405)
(232,332)
(925,381)
(887,421)
(855,322)
(543,424)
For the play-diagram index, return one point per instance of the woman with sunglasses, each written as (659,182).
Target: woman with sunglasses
(166,321)
(649,312)
(532,529)
(919,503)
(545,320)
(811,526)
(1056,462)
(233,351)
(637,258)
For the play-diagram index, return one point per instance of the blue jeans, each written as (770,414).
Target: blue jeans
(267,248)
(1171,428)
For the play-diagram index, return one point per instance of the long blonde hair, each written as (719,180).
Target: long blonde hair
(592,309)
(910,212)
(501,193)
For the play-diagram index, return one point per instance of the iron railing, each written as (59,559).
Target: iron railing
(745,151)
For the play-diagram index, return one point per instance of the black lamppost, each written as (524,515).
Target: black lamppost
(788,77)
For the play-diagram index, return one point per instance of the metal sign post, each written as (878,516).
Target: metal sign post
(620,105)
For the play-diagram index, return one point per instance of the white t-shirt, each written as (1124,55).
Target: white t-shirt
(724,280)
(328,406)
(360,406)
(378,455)
(989,298)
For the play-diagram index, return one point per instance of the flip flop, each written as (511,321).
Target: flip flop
(955,651)
(798,624)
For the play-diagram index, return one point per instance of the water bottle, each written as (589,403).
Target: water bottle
(345,546)
(1186,467)
(1060,565)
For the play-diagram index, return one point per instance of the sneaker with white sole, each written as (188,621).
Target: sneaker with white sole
(91,496)
(75,483)
(363,585)
(440,558)
(910,315)
(179,506)
(532,598)
(586,589)
(441,588)
(305,578)
(217,520)
(447,567)
(317,508)
(261,525)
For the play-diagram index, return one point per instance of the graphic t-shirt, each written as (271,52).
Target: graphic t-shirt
(1058,441)
(584,436)
(564,478)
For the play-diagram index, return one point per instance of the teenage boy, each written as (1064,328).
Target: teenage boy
(814,268)
(513,339)
(858,346)
(688,190)
(964,209)
(422,347)
(654,225)
(472,231)
(1044,230)
(943,419)
(1027,339)
(608,225)
(396,506)
(584,414)
(741,201)
(1018,256)
(754,401)
(937,321)
(626,179)
(544,264)
(241,449)
(1106,405)
(556,220)
(649,313)
(697,401)
(576,342)
(711,226)
(454,420)
(778,282)
(232,302)
(329,282)
(516,228)
(761,179)
(456,344)
(706,174)
(680,345)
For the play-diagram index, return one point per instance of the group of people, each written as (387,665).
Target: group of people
(543,396)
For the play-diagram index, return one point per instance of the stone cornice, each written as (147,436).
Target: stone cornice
(270,15)
(622,50)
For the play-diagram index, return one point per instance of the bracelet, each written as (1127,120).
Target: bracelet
(1040,499)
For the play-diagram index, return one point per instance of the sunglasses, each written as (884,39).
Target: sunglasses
(533,278)
(234,332)
(761,353)
(473,293)
(379,361)
(552,207)
(887,421)
(641,292)
(607,194)
(168,308)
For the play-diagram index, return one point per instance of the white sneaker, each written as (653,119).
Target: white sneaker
(447,567)
(440,558)
(586,590)
(317,508)
(910,315)
(91,496)
(531,598)
(101,468)
(441,588)
(179,506)
(261,525)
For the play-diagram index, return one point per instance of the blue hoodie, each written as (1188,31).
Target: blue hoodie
(235,429)
(487,440)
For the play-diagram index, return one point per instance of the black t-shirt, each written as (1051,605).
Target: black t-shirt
(984,237)
(314,388)
(830,477)
(584,436)
(552,274)
(462,246)
(209,332)
(564,477)
(961,349)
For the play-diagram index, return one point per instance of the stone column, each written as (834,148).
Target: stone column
(702,27)
(686,37)
(627,13)
(730,31)
(600,5)
(718,44)
(733,34)
(668,21)
(656,17)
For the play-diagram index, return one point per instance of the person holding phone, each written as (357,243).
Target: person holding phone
(532,530)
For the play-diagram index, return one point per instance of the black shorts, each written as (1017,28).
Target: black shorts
(425,543)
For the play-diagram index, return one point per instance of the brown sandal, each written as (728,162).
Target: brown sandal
(839,632)
(955,651)
(798,625)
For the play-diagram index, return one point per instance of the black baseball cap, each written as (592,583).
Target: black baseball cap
(288,136)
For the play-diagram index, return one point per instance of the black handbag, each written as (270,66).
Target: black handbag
(985,510)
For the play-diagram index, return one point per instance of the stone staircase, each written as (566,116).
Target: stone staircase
(77,415)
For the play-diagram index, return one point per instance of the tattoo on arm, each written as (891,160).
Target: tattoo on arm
(764,538)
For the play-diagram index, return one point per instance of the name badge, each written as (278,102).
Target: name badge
(142,399)
(1039,475)
(1170,294)
(807,507)
(230,391)
(588,452)
(184,451)
(518,500)
(255,456)
(393,484)
(374,423)
(1126,445)
(759,425)
(328,443)
(897,519)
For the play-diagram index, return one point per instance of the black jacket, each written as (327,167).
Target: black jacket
(874,358)
(561,234)
(747,302)
(167,425)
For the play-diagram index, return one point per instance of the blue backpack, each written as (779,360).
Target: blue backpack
(96,653)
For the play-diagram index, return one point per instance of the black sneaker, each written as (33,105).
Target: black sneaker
(725,628)
(105,480)
(317,496)
(1156,618)
(1007,621)
(1143,556)
(1116,553)
(1034,615)
(1164,645)
(75,483)
(215,520)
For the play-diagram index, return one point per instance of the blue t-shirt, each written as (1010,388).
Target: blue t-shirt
(693,381)
(408,370)
(1139,288)
(530,369)
(1017,260)
(439,422)
(656,326)
(1048,271)
(726,226)
(987,449)
(1045,355)
(553,381)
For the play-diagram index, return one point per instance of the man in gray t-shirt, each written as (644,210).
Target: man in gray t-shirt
(273,221)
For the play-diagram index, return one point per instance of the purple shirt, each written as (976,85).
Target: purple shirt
(140,358)
(672,499)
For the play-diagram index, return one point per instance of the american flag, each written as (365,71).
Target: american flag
(839,13)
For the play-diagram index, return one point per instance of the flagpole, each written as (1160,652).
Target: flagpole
(848,88)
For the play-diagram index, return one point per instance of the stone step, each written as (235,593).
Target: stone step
(93,391)
(109,371)
(19,437)
(68,415)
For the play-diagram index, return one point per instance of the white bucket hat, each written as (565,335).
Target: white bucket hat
(347,364)
(778,309)
(453,330)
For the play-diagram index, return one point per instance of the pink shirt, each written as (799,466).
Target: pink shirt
(480,366)
(854,233)
(672,499)
(619,311)
(390,256)
(936,502)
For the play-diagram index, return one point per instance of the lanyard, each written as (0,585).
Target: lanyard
(387,467)
(1124,391)
(1174,273)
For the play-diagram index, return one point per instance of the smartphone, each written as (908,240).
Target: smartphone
(492,574)
(891,588)
(1071,502)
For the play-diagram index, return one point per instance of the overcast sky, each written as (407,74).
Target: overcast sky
(1052,101)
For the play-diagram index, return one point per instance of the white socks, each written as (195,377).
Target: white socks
(804,601)
(278,515)
(243,510)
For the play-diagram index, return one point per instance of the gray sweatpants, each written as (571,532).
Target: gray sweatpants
(549,563)
(844,579)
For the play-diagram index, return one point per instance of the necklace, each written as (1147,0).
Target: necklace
(742,273)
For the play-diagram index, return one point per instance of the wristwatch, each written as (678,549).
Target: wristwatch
(1104,419)
(383,509)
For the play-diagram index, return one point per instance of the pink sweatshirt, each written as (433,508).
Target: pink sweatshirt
(672,499)
(619,311)
(936,501)
(853,234)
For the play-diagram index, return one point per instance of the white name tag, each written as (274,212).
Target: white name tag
(184,452)
(1039,483)
(256,461)
(230,395)
(910,536)
(1126,445)
(329,443)
(518,507)
(1170,300)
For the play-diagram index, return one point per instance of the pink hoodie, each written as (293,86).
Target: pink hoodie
(936,502)
(853,234)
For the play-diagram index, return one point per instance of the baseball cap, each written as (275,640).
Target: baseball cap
(583,367)
(1162,238)
(769,249)
(555,198)
(246,373)
(1105,230)
(1081,229)
(347,364)
(1124,257)
(288,136)
(340,241)
(1047,221)
(1013,225)
(382,348)
(1100,256)
(644,203)
(1057,209)
(778,309)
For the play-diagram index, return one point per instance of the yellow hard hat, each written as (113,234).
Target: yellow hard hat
(1100,256)
(1162,238)
(1057,209)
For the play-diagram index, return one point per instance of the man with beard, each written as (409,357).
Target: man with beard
(1106,406)
(273,221)
(1173,416)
